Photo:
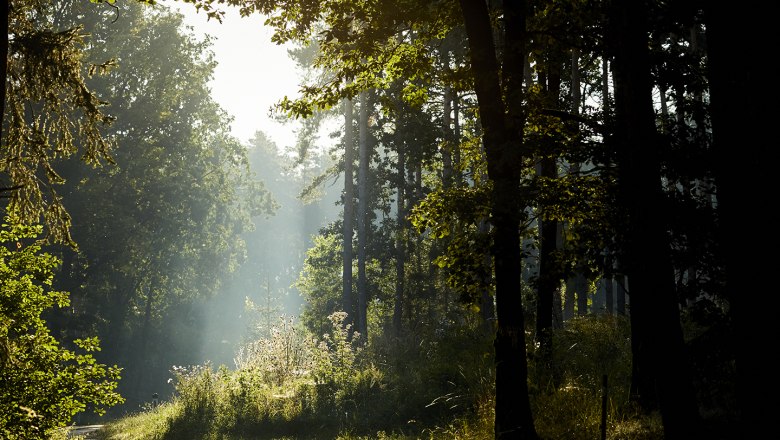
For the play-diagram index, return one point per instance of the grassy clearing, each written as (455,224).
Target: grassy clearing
(441,390)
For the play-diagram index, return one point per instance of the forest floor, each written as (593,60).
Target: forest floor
(83,432)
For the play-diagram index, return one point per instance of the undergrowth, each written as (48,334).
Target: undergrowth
(291,386)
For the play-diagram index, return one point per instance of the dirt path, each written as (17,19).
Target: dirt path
(83,431)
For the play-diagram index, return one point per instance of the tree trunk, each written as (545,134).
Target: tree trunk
(609,294)
(743,117)
(362,215)
(620,295)
(569,299)
(456,139)
(503,142)
(581,291)
(4,63)
(662,374)
(550,274)
(400,241)
(606,103)
(349,212)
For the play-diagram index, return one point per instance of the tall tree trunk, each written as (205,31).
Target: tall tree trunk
(456,139)
(662,374)
(362,214)
(447,135)
(139,358)
(400,240)
(4,63)
(620,295)
(503,143)
(609,294)
(569,299)
(550,275)
(606,103)
(349,211)
(449,145)
(549,278)
(743,118)
(576,94)
(582,291)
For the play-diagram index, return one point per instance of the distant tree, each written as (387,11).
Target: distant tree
(365,149)
(49,113)
(160,231)
(348,199)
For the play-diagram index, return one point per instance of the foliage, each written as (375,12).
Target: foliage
(438,389)
(186,180)
(586,350)
(161,230)
(42,384)
(279,358)
(289,376)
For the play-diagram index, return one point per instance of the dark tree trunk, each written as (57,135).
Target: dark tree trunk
(744,102)
(400,240)
(609,294)
(549,279)
(4,63)
(550,275)
(620,295)
(569,299)
(581,290)
(503,142)
(662,377)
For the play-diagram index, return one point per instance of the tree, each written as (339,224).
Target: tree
(160,231)
(501,117)
(42,383)
(741,111)
(49,113)
(349,210)
(661,372)
(364,157)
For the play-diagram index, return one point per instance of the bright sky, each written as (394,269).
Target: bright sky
(253,73)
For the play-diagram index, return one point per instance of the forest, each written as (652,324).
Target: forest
(531,220)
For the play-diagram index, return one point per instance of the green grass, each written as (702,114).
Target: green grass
(391,394)
(151,424)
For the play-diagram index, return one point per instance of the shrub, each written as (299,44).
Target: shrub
(42,385)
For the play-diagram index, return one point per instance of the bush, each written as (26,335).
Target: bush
(42,385)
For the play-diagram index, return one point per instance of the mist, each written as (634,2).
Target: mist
(275,251)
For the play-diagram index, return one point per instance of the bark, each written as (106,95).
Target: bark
(139,355)
(4,63)
(502,137)
(458,177)
(400,241)
(447,134)
(606,103)
(743,115)
(362,215)
(662,377)
(569,300)
(550,275)
(581,291)
(576,95)
(349,210)
(620,295)
(549,280)
(609,295)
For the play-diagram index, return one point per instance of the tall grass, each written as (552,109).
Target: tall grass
(292,386)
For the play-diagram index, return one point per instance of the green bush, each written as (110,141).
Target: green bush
(42,384)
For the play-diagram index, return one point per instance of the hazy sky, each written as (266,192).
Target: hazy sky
(253,73)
